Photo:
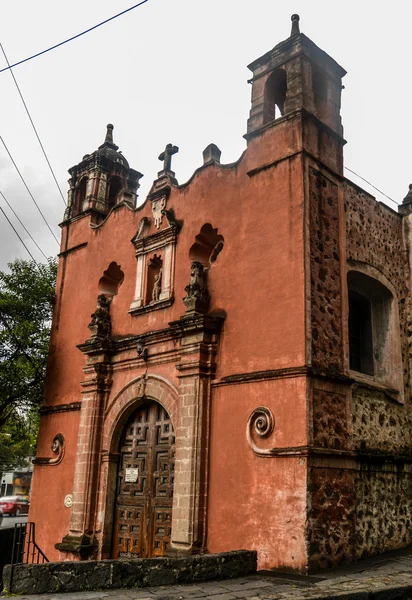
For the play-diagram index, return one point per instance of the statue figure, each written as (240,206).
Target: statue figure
(157,286)
(198,298)
(101,324)
(408,197)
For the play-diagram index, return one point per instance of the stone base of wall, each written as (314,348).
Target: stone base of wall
(96,575)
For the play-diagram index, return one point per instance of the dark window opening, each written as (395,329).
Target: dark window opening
(207,247)
(115,187)
(275,95)
(80,196)
(112,279)
(360,334)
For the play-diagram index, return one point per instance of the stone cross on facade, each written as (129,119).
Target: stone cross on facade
(166,157)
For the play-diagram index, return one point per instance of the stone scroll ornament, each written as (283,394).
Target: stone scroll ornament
(260,423)
(57,447)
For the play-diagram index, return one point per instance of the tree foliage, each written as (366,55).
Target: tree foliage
(26,305)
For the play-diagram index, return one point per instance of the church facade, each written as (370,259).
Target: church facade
(230,362)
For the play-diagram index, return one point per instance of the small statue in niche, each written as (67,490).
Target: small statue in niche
(198,298)
(157,286)
(101,324)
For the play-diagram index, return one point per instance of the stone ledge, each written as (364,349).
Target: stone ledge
(142,572)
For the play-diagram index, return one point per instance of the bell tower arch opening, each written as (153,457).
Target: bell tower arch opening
(114,190)
(296,75)
(275,95)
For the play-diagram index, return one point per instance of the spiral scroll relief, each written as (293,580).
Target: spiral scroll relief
(261,423)
(57,447)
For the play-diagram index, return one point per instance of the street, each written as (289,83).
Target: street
(9,522)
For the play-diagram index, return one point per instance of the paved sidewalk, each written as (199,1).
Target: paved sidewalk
(385,577)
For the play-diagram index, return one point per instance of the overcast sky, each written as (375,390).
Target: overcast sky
(176,71)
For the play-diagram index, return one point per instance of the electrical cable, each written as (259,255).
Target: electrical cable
(22,224)
(27,188)
(32,124)
(17,233)
(73,37)
(371,184)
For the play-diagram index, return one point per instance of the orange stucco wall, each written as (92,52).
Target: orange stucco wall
(258,280)
(257,502)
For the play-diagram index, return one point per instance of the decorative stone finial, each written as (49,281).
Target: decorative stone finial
(211,154)
(295,25)
(198,298)
(109,134)
(408,197)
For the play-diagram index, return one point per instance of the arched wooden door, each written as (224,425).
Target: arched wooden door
(144,495)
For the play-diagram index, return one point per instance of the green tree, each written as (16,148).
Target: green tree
(26,306)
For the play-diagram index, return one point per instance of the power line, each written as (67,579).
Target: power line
(32,124)
(27,188)
(371,184)
(16,232)
(22,224)
(73,37)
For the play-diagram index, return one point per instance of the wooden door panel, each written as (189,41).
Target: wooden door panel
(144,507)
(162,530)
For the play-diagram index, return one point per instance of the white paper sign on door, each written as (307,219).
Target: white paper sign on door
(131,475)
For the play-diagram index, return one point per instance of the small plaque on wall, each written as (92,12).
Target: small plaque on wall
(131,475)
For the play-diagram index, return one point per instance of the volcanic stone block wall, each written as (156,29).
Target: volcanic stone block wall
(381,426)
(326,309)
(330,420)
(374,236)
(383,506)
(331,517)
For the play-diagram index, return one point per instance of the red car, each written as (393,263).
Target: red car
(14,505)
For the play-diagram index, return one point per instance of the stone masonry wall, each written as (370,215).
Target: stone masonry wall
(374,236)
(326,309)
(331,517)
(98,575)
(383,508)
(378,423)
(330,420)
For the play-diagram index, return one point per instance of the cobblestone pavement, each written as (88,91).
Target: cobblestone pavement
(386,577)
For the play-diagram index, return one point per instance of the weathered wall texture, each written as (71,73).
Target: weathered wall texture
(379,424)
(383,507)
(330,420)
(326,310)
(331,517)
(374,237)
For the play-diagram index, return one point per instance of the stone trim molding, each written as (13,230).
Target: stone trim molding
(301,371)
(64,253)
(157,387)
(51,410)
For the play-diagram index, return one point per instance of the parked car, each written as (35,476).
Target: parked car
(14,505)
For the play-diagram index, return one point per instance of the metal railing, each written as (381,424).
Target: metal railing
(24,549)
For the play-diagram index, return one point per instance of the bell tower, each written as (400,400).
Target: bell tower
(101,181)
(295,76)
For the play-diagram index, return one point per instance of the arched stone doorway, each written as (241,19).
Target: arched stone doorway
(144,492)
